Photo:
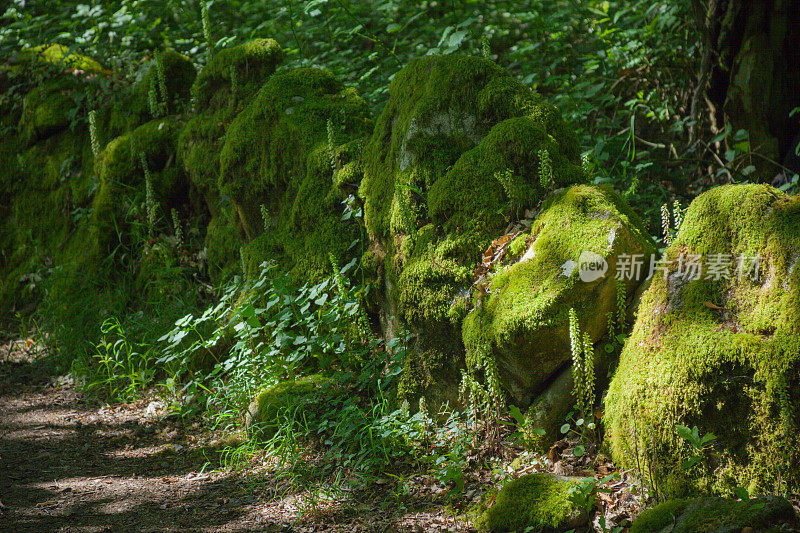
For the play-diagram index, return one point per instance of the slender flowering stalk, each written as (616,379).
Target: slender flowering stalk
(95,140)
(150,202)
(545,169)
(176,224)
(206,20)
(665,224)
(677,214)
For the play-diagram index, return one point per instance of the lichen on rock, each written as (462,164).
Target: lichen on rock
(718,351)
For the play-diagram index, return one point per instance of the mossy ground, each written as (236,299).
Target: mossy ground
(718,354)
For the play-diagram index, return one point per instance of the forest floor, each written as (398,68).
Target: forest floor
(68,466)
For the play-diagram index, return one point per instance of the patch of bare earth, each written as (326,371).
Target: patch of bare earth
(68,466)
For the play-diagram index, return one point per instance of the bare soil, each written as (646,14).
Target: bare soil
(66,465)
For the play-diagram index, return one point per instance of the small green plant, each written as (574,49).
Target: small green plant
(699,444)
(527,435)
(265,218)
(205,18)
(582,366)
(176,225)
(120,367)
(331,140)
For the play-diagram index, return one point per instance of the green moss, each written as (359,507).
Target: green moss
(46,109)
(222,247)
(522,321)
(122,179)
(277,159)
(533,502)
(58,54)
(432,199)
(179,75)
(251,64)
(439,108)
(716,515)
(271,405)
(734,371)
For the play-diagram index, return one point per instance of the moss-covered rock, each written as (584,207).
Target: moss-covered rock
(60,55)
(718,515)
(454,157)
(238,71)
(122,168)
(278,162)
(48,109)
(534,502)
(522,319)
(222,90)
(721,354)
(270,406)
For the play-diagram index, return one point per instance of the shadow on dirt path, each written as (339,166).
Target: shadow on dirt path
(67,467)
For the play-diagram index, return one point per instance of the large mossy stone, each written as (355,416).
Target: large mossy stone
(272,406)
(279,166)
(721,354)
(718,515)
(454,156)
(522,318)
(534,502)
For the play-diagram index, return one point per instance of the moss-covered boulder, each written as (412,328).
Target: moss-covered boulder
(222,90)
(718,515)
(60,56)
(718,348)
(238,71)
(271,406)
(124,168)
(457,153)
(48,109)
(521,319)
(534,502)
(278,163)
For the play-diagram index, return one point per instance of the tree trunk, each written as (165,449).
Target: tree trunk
(755,81)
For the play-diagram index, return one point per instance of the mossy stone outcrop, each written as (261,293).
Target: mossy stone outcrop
(278,163)
(122,169)
(238,71)
(46,109)
(717,515)
(222,90)
(534,502)
(522,318)
(718,350)
(270,407)
(455,156)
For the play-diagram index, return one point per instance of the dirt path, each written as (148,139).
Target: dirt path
(66,467)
